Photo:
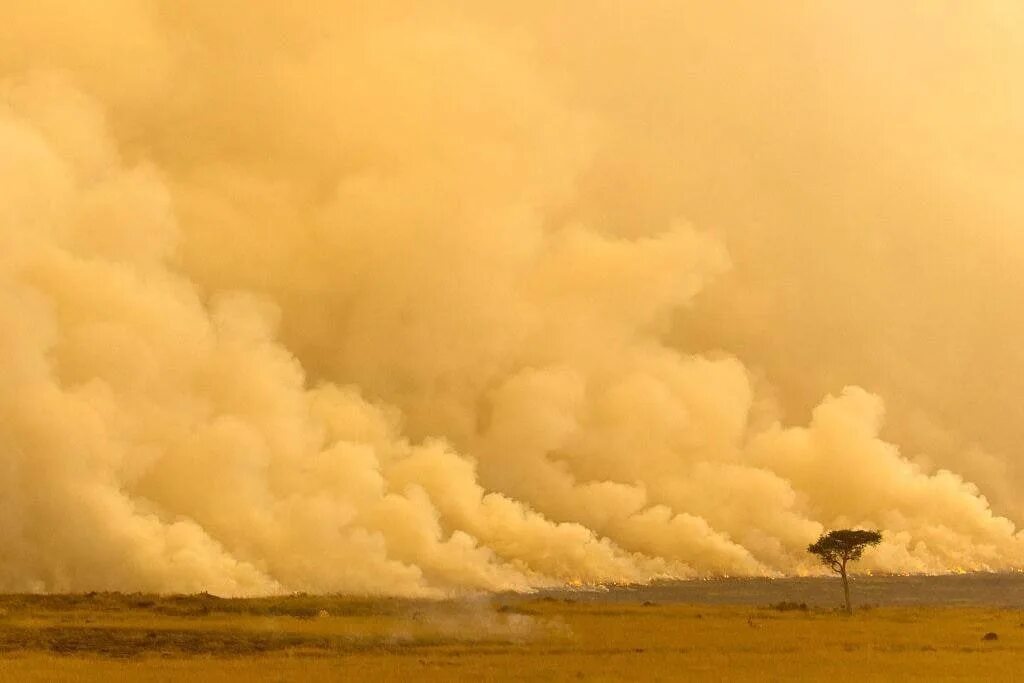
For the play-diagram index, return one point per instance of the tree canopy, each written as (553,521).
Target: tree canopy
(836,548)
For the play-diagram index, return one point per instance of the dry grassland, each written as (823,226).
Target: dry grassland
(103,637)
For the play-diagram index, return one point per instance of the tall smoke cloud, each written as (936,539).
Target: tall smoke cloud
(432,298)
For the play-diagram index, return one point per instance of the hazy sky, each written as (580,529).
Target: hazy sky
(478,295)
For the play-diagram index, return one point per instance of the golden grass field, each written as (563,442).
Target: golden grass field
(109,637)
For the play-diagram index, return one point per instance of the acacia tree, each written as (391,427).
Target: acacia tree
(836,548)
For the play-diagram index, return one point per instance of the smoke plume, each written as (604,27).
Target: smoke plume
(444,297)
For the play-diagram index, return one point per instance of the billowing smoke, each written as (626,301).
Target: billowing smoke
(417,300)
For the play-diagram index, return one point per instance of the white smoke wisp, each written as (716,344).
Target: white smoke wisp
(304,300)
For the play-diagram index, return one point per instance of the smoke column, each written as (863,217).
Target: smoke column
(449,297)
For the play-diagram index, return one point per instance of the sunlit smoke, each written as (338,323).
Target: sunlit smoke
(410,301)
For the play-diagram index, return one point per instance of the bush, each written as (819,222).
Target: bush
(786,606)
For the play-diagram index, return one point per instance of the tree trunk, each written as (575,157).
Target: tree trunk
(846,590)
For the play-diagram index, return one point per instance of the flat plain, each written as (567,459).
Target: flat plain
(678,632)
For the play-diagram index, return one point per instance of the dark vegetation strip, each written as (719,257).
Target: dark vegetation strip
(203,604)
(133,642)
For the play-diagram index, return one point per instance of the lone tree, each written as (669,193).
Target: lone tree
(836,548)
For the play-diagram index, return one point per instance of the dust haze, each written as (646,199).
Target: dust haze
(466,296)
